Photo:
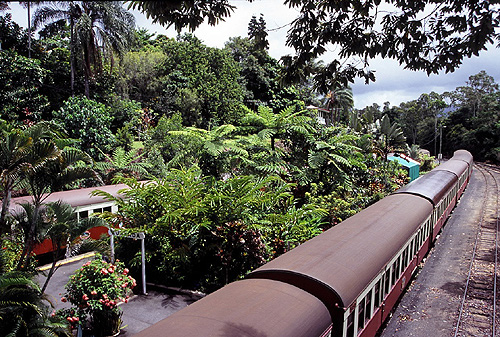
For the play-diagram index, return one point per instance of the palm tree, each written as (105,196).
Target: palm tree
(389,136)
(23,311)
(41,181)
(97,30)
(339,100)
(64,228)
(17,155)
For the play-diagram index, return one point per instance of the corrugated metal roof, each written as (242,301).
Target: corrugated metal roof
(342,261)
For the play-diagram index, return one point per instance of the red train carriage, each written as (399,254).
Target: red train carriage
(84,203)
(353,274)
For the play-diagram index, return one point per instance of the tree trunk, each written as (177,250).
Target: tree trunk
(7,194)
(30,238)
(72,56)
(55,257)
(29,30)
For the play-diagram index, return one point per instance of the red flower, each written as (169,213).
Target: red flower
(125,271)
(64,299)
(93,292)
(85,297)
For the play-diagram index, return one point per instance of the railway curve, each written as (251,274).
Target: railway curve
(478,311)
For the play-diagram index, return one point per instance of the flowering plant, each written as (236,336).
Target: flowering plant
(95,290)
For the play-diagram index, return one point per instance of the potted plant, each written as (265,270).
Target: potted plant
(95,290)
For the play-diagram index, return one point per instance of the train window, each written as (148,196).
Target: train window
(396,270)
(107,209)
(377,300)
(404,258)
(393,275)
(387,282)
(361,315)
(350,325)
(83,214)
(368,306)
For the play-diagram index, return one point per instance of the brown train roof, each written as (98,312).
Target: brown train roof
(247,308)
(338,264)
(433,185)
(463,155)
(454,166)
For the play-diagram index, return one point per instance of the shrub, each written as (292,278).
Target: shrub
(88,121)
(95,290)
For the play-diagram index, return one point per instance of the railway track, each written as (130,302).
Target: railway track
(478,314)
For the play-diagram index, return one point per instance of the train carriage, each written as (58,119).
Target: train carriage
(466,157)
(263,308)
(357,269)
(84,203)
(341,283)
(460,169)
(440,188)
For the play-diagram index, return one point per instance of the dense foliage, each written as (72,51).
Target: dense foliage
(238,170)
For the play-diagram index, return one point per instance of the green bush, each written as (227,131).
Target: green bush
(88,121)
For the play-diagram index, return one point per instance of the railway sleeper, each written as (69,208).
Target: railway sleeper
(485,286)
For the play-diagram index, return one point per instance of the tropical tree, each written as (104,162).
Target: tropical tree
(389,136)
(89,122)
(63,228)
(332,159)
(43,180)
(471,95)
(423,35)
(124,163)
(184,13)
(273,126)
(200,82)
(22,151)
(339,100)
(98,29)
(210,149)
(21,79)
(23,308)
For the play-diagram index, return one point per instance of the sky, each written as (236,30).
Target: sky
(393,83)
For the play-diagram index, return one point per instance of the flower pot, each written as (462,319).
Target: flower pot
(106,322)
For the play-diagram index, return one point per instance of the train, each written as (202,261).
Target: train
(84,204)
(344,282)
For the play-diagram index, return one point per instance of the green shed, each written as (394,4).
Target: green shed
(411,165)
